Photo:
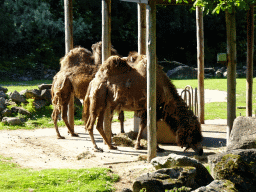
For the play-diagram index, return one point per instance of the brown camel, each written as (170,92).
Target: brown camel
(78,68)
(122,86)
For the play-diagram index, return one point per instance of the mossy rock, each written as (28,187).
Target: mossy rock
(238,166)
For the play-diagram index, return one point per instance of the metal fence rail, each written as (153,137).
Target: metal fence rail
(190,97)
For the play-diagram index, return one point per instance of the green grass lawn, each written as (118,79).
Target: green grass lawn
(218,110)
(15,178)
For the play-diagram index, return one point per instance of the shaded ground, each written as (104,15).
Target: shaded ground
(40,149)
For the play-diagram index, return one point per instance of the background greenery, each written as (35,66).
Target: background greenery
(32,32)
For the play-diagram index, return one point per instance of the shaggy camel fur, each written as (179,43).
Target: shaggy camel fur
(122,86)
(78,68)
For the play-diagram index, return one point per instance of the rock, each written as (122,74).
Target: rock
(210,71)
(182,72)
(217,186)
(2,104)
(23,111)
(39,104)
(46,95)
(16,97)
(12,120)
(33,93)
(2,94)
(5,90)
(6,112)
(44,86)
(151,185)
(202,177)
(237,166)
(20,110)
(167,179)
(126,190)
(243,134)
(219,74)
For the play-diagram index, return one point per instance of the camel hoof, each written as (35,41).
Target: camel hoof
(98,150)
(60,137)
(75,135)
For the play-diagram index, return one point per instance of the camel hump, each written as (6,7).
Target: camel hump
(115,65)
(76,57)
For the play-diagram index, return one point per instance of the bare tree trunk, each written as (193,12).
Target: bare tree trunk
(106,52)
(151,79)
(141,47)
(249,75)
(231,76)
(200,61)
(68,46)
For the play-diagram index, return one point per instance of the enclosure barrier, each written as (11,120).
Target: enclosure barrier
(190,98)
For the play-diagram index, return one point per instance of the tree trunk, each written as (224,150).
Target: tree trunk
(68,46)
(200,61)
(231,71)
(151,79)
(249,75)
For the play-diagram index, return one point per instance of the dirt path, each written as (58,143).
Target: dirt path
(39,149)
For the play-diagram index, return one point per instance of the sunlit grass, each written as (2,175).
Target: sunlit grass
(15,178)
(219,110)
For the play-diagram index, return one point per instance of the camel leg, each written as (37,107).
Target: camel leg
(142,127)
(55,114)
(121,119)
(89,126)
(65,119)
(99,127)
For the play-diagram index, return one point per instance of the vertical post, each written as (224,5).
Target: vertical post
(141,29)
(68,46)
(141,46)
(231,76)
(151,78)
(200,61)
(106,52)
(106,29)
(249,75)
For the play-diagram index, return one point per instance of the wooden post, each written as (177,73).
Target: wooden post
(151,78)
(141,47)
(68,46)
(106,29)
(106,52)
(200,61)
(249,75)
(231,71)
(142,29)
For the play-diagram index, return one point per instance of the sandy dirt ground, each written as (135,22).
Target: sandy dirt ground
(40,148)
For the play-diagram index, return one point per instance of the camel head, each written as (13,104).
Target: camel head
(189,134)
(97,52)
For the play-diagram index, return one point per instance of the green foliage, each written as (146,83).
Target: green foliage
(215,6)
(14,178)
